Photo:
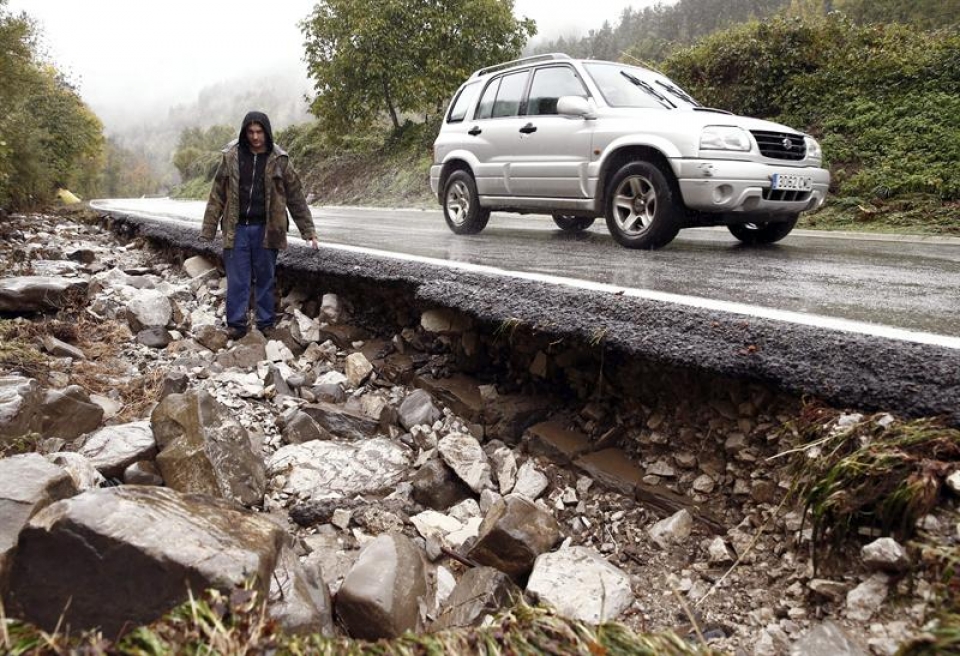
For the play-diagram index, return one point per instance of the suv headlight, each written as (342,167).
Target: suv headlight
(723,137)
(813,148)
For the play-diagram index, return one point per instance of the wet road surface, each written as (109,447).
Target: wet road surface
(911,284)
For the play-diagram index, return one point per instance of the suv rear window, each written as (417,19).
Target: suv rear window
(460,105)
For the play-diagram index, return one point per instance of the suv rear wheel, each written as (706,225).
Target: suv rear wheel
(461,206)
(573,223)
(641,211)
(763,233)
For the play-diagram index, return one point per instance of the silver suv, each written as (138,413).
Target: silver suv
(580,139)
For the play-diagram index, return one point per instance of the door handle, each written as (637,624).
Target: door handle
(528,128)
(474,131)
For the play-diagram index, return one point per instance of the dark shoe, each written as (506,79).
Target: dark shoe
(269,332)
(236,333)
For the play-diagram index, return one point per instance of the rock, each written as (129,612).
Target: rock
(85,476)
(68,413)
(330,308)
(28,483)
(341,422)
(29,294)
(433,524)
(156,337)
(718,553)
(703,484)
(147,309)
(504,468)
(531,482)
(826,639)
(436,486)
(174,382)
(832,590)
(204,450)
(60,349)
(865,599)
(481,591)
(82,255)
(304,329)
(459,393)
(246,353)
(143,472)
(299,599)
(885,555)
(443,320)
(357,369)
(466,458)
(953,482)
(20,401)
(320,469)
(125,555)
(417,409)
(581,585)
(198,266)
(114,448)
(300,427)
(211,337)
(514,532)
(672,530)
(111,407)
(381,595)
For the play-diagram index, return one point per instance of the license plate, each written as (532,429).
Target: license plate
(791,182)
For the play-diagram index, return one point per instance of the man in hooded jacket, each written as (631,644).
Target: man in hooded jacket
(253,188)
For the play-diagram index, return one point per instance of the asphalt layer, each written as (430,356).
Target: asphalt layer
(845,369)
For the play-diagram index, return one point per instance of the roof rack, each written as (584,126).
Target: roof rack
(516,62)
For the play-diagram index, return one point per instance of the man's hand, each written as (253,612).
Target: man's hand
(313,243)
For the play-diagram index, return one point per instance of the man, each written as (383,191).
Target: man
(254,186)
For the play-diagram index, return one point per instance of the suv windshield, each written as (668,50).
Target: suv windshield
(629,86)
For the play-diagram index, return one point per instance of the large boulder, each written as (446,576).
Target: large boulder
(120,557)
(20,400)
(341,422)
(299,598)
(204,450)
(68,413)
(436,486)
(28,294)
(514,532)
(380,597)
(148,308)
(581,584)
(114,448)
(28,483)
(321,468)
(481,592)
(465,456)
(418,408)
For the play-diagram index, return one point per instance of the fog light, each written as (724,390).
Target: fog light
(722,194)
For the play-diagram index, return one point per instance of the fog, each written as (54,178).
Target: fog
(133,60)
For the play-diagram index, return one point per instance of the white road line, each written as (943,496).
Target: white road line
(743,309)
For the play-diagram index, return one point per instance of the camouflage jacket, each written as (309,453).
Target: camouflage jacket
(283,191)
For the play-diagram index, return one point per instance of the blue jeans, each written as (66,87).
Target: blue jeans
(248,261)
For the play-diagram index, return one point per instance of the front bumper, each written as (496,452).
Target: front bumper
(710,185)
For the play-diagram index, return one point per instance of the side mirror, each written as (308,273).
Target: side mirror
(575,106)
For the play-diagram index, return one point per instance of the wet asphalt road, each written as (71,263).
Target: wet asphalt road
(906,284)
(852,365)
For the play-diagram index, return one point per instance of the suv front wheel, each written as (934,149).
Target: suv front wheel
(641,211)
(461,206)
(763,233)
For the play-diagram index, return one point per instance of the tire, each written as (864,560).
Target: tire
(569,223)
(461,205)
(763,233)
(642,210)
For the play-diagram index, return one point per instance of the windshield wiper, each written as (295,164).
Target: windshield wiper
(649,89)
(679,93)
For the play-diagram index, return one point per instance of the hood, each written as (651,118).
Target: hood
(264,121)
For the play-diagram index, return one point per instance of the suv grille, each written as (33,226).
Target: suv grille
(780,145)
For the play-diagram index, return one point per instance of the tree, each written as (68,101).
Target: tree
(367,57)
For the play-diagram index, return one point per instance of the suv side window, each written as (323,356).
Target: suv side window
(460,105)
(485,108)
(509,94)
(549,84)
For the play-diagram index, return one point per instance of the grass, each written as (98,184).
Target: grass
(236,624)
(866,476)
(920,215)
